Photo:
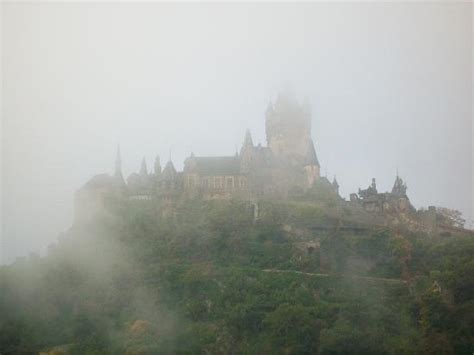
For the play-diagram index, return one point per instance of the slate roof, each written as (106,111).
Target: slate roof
(100,181)
(311,157)
(229,165)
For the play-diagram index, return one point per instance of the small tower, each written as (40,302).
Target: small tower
(118,168)
(335,185)
(399,187)
(311,164)
(169,189)
(373,186)
(246,153)
(248,142)
(143,168)
(169,175)
(157,166)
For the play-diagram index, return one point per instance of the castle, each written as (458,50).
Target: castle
(287,164)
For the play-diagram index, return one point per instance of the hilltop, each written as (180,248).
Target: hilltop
(302,278)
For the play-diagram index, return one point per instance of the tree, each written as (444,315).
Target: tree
(449,217)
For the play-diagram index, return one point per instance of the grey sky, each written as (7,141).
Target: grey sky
(390,86)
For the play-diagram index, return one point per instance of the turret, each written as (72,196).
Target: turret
(311,164)
(373,186)
(169,172)
(399,187)
(246,153)
(157,166)
(190,163)
(143,168)
(118,167)
(248,142)
(310,157)
(335,185)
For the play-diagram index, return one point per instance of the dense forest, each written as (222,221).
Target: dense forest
(209,279)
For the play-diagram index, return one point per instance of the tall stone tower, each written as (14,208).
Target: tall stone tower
(288,127)
(288,130)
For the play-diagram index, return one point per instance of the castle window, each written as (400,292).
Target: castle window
(229,182)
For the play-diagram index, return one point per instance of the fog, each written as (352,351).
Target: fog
(390,87)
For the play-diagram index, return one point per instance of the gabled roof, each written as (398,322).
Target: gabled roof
(228,165)
(100,181)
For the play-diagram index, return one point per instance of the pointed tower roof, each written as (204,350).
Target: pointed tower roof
(118,167)
(169,172)
(399,187)
(311,158)
(248,139)
(143,168)
(157,166)
(334,182)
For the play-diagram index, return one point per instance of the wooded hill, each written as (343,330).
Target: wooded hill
(304,278)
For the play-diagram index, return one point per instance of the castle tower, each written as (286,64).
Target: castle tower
(288,127)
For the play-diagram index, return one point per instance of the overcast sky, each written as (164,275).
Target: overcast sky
(390,87)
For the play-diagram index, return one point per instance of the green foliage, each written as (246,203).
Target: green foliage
(204,280)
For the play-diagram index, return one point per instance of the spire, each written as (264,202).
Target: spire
(157,166)
(373,186)
(399,187)
(118,166)
(335,185)
(169,172)
(246,153)
(311,158)
(143,169)
(248,139)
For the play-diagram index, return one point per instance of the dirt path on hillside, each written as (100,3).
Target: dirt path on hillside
(354,277)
